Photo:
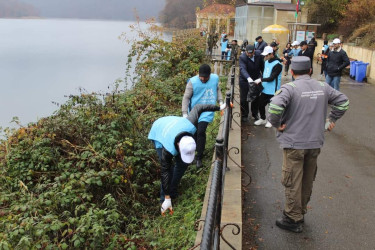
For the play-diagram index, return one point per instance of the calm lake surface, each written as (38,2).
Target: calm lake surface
(43,60)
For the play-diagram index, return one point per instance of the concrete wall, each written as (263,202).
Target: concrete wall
(282,18)
(360,54)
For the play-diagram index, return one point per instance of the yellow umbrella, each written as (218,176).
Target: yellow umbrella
(275,29)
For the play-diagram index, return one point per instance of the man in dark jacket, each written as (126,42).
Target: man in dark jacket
(173,138)
(306,51)
(260,44)
(251,68)
(337,60)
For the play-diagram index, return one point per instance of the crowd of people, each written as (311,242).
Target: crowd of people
(297,110)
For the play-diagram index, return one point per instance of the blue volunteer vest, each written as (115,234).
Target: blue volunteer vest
(224,45)
(165,129)
(270,87)
(204,93)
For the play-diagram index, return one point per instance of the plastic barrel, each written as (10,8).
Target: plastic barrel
(360,71)
(352,69)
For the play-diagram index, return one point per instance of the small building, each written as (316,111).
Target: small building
(216,18)
(255,15)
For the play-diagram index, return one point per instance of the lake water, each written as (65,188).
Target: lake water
(43,60)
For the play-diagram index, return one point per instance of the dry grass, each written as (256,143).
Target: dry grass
(367,33)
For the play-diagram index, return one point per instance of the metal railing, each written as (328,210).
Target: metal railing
(212,231)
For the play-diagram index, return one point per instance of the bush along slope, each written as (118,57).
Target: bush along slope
(88,178)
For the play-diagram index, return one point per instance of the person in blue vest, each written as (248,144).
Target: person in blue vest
(203,88)
(173,138)
(270,81)
(224,47)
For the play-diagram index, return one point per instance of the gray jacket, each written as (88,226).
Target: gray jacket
(302,106)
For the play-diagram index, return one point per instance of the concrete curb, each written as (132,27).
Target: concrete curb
(232,199)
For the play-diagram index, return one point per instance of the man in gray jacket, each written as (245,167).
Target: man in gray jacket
(298,111)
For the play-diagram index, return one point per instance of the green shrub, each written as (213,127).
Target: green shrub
(87,177)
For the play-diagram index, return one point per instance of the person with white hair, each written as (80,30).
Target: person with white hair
(337,60)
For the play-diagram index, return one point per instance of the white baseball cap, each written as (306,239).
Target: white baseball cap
(295,43)
(187,149)
(267,50)
(336,41)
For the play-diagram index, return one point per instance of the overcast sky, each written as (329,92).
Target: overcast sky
(97,9)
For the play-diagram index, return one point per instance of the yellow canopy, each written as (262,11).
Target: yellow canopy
(275,29)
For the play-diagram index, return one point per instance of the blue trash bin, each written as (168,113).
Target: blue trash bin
(360,71)
(352,68)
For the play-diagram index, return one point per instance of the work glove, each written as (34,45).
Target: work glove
(184,115)
(167,205)
(222,105)
(257,81)
(249,80)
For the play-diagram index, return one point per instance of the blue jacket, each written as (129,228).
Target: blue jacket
(294,52)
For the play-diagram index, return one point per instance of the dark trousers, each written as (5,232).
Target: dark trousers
(255,108)
(224,55)
(244,89)
(264,99)
(201,139)
(175,174)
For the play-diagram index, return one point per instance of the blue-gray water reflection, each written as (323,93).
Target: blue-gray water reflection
(41,61)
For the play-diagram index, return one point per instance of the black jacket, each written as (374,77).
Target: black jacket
(309,53)
(336,62)
(261,46)
(248,68)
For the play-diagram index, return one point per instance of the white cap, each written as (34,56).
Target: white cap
(267,50)
(187,149)
(295,43)
(336,41)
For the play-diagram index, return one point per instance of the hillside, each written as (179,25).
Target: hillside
(14,8)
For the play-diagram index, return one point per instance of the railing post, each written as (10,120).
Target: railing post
(213,215)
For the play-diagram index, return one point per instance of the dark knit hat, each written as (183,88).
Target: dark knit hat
(204,70)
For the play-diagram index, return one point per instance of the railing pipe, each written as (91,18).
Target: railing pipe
(213,215)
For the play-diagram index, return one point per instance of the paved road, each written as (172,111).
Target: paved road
(341,213)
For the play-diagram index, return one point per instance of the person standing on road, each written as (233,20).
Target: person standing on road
(202,89)
(173,138)
(260,44)
(234,50)
(286,52)
(337,60)
(324,55)
(224,47)
(271,82)
(306,51)
(312,45)
(298,111)
(251,68)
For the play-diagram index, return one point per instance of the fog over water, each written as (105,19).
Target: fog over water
(97,9)
(43,60)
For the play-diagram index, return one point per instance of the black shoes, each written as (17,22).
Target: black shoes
(199,164)
(244,119)
(288,224)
